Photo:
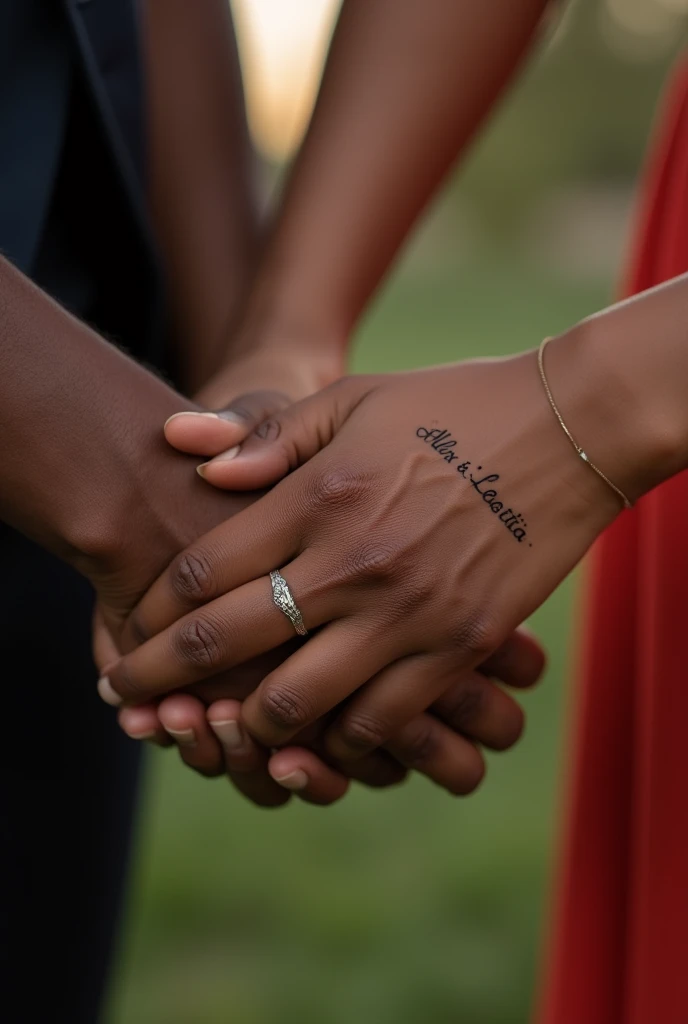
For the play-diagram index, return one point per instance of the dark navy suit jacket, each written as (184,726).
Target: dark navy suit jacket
(73,217)
(72,162)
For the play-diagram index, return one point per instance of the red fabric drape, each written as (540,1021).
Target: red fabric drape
(618,946)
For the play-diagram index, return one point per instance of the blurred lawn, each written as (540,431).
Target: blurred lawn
(402,907)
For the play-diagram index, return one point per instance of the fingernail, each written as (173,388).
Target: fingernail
(107,693)
(231,453)
(231,417)
(295,780)
(190,412)
(184,737)
(222,457)
(230,734)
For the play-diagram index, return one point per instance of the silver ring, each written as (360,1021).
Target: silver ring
(282,596)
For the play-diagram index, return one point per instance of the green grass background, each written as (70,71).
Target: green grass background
(401,907)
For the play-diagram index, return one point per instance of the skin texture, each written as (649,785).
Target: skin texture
(120,518)
(441,744)
(440,577)
(125,502)
(205,214)
(202,180)
(405,88)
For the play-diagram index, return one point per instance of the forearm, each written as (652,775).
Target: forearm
(405,87)
(202,183)
(79,423)
(621,381)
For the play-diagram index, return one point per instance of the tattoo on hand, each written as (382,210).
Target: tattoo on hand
(445,445)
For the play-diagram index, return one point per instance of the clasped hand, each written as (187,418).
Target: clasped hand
(418,519)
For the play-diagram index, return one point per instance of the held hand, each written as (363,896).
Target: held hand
(249,390)
(441,745)
(433,512)
(168,507)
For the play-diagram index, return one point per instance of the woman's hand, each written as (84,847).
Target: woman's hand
(284,374)
(433,512)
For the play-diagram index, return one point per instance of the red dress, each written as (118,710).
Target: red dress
(618,947)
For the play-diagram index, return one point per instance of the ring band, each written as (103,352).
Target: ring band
(282,596)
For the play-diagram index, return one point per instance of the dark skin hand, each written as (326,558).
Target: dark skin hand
(371,128)
(201,177)
(84,467)
(476,507)
(441,744)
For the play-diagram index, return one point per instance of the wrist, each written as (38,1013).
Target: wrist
(126,498)
(615,406)
(285,310)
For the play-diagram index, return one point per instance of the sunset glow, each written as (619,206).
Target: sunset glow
(283,45)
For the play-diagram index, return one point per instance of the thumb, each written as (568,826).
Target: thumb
(286,440)
(209,433)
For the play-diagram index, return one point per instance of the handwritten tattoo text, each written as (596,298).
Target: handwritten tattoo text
(445,446)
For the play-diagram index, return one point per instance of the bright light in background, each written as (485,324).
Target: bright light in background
(283,45)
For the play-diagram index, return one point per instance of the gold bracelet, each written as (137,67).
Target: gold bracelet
(617,490)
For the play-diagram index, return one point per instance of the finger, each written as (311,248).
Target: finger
(477,708)
(227,632)
(519,662)
(398,693)
(210,433)
(321,674)
(287,439)
(242,549)
(183,718)
(304,774)
(142,723)
(430,747)
(378,770)
(104,647)
(246,761)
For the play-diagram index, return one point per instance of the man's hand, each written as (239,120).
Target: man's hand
(440,745)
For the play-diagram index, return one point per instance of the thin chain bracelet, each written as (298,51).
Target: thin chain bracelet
(541,366)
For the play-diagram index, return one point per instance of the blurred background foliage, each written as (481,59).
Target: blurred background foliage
(408,906)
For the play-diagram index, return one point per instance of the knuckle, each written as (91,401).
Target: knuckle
(284,707)
(475,637)
(460,707)
(363,730)
(338,486)
(192,577)
(199,642)
(413,592)
(374,561)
